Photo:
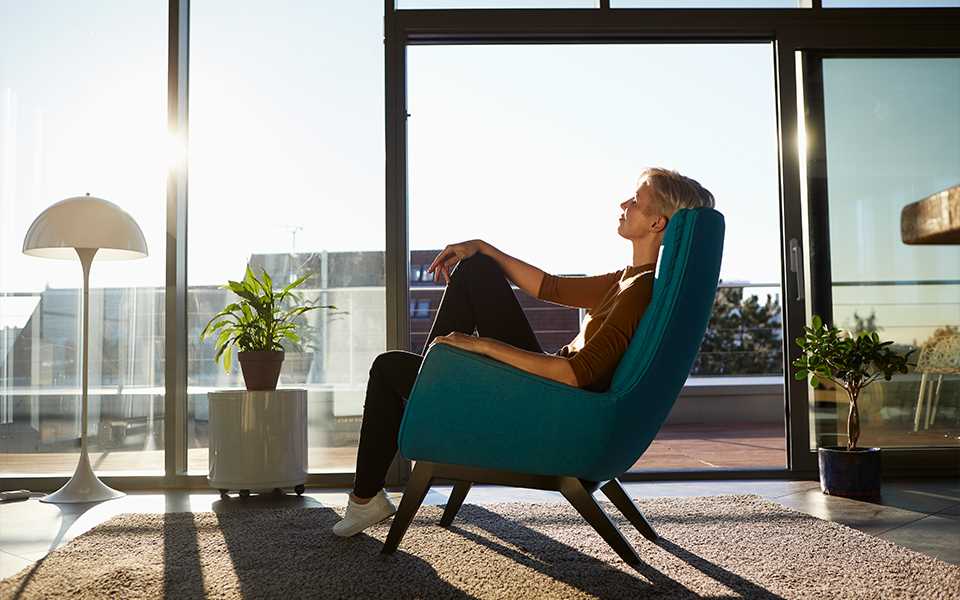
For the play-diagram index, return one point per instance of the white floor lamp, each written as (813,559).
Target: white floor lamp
(84,226)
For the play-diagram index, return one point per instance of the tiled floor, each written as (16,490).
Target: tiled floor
(920,514)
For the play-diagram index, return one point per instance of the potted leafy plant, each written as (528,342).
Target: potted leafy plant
(257,325)
(852,363)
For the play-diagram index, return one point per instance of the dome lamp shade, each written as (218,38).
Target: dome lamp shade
(85,222)
(84,227)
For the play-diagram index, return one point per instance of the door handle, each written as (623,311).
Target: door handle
(796,265)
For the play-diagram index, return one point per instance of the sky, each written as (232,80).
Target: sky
(529,147)
(548,140)
(82,110)
(286,140)
(892,138)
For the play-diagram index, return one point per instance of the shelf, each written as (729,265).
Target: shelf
(933,220)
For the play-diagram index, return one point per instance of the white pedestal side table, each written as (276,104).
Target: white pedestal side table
(258,440)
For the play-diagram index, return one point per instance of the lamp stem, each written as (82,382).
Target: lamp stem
(84,486)
(86,261)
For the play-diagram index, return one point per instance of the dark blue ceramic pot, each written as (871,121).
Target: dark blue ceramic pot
(850,473)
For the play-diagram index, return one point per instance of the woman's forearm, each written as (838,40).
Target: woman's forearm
(552,367)
(524,276)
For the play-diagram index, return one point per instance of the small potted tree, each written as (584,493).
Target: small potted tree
(257,325)
(852,363)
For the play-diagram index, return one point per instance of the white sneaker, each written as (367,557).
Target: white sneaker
(360,516)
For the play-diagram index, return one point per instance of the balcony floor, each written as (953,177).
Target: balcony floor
(677,447)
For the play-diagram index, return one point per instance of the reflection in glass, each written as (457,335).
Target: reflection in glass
(82,112)
(506,144)
(893,137)
(286,175)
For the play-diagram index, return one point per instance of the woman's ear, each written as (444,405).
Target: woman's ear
(661,223)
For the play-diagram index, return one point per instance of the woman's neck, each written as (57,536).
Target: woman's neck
(645,253)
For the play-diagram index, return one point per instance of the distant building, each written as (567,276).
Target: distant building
(554,325)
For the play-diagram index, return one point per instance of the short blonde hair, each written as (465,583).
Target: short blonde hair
(673,191)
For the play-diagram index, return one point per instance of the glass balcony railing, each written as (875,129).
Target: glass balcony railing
(40,408)
(920,408)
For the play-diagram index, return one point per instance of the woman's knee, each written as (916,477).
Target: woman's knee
(385,362)
(478,266)
(392,375)
(396,368)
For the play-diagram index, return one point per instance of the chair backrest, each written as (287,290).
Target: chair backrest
(940,355)
(655,366)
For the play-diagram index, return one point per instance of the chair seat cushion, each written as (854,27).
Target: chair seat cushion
(468,409)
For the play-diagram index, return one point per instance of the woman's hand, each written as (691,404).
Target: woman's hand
(450,256)
(470,343)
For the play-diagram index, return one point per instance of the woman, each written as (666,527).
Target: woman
(478,297)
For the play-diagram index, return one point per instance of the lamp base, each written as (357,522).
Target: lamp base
(84,486)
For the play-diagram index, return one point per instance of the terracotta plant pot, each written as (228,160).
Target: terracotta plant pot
(850,473)
(261,369)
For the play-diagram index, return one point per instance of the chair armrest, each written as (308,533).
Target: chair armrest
(469,409)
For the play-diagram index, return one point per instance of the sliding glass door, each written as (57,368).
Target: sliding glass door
(884,132)
(533,148)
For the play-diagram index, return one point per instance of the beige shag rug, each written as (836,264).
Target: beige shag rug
(716,547)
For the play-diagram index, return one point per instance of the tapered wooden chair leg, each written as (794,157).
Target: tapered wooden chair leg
(613,490)
(457,496)
(582,500)
(413,496)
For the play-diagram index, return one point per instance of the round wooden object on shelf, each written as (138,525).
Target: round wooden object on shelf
(933,220)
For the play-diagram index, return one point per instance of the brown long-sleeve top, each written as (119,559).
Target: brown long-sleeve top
(616,302)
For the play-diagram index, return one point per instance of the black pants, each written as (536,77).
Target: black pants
(478,297)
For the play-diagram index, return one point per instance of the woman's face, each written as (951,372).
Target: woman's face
(637,218)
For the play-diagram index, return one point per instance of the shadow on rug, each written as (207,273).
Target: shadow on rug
(716,546)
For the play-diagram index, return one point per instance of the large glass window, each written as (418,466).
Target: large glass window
(286,174)
(532,148)
(82,110)
(893,137)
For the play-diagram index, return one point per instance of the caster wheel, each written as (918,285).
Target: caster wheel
(299,489)
(244,493)
(224,495)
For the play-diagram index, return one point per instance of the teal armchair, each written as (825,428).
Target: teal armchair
(471,419)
